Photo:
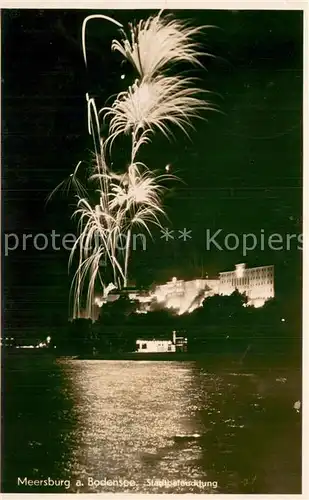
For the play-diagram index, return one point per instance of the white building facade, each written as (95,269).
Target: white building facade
(258,283)
(184,295)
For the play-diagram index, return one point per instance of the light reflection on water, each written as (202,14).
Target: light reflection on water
(136,421)
(168,420)
(130,420)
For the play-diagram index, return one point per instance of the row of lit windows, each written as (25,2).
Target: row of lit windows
(259,272)
(240,281)
(254,271)
(260,283)
(251,284)
(246,279)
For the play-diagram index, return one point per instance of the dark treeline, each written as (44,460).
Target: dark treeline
(222,324)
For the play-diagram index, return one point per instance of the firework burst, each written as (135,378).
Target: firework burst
(155,44)
(123,201)
(155,104)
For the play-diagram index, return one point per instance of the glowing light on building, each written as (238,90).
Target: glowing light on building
(257,283)
(185,296)
(182,296)
(240,270)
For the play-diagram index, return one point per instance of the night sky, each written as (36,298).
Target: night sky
(242,169)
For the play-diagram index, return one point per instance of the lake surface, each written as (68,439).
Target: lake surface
(149,427)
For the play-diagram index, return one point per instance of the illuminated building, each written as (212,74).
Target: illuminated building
(179,295)
(257,283)
(185,296)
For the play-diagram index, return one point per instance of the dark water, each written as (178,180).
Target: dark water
(143,422)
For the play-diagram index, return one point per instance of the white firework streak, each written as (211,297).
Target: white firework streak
(124,200)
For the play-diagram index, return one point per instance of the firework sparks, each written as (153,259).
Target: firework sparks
(122,201)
